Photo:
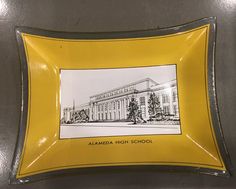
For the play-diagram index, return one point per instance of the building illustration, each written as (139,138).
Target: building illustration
(112,105)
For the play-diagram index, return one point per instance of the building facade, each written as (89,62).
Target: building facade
(112,105)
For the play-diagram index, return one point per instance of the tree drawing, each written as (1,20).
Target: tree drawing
(80,116)
(133,110)
(154,107)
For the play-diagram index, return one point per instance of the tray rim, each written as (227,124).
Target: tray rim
(121,35)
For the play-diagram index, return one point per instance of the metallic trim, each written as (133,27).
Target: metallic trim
(120,35)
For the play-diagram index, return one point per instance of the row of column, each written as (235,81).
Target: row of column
(120,111)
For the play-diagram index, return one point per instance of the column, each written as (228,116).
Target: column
(98,112)
(114,110)
(125,110)
(103,111)
(171,102)
(116,105)
(91,112)
(95,112)
(122,108)
(108,110)
(146,105)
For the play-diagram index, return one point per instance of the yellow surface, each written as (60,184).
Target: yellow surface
(43,151)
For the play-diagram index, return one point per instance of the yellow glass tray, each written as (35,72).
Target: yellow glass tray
(119,76)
